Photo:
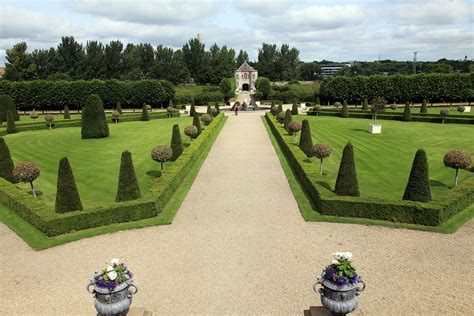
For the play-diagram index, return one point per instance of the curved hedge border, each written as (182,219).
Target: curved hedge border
(327,202)
(415,117)
(51,223)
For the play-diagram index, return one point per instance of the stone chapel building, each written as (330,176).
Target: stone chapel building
(245,77)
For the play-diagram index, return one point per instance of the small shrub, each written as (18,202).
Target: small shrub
(418,186)
(176,143)
(67,115)
(457,159)
(128,188)
(287,120)
(49,120)
(317,109)
(115,116)
(218,110)
(306,142)
(197,123)
(206,119)
(170,110)
(365,104)
(393,107)
(337,105)
(11,126)
(26,172)
(294,108)
(321,151)
(148,108)
(424,108)
(280,108)
(162,153)
(209,110)
(294,127)
(34,115)
(378,105)
(444,113)
(346,183)
(345,111)
(407,112)
(461,109)
(144,116)
(67,195)
(214,112)
(191,131)
(192,111)
(274,110)
(6,162)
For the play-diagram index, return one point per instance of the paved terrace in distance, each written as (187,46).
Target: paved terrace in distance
(239,245)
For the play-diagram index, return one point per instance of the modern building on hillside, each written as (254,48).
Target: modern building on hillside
(245,77)
(331,69)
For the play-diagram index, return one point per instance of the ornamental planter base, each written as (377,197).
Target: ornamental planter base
(467,109)
(340,300)
(114,302)
(375,128)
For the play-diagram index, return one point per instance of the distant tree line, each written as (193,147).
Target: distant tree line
(71,60)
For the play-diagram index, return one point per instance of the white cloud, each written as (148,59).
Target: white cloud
(430,13)
(149,12)
(263,7)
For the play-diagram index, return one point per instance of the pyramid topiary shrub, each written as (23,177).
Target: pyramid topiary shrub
(365,104)
(318,101)
(287,120)
(294,108)
(94,123)
(344,112)
(197,123)
(26,172)
(6,162)
(192,111)
(128,188)
(119,108)
(209,110)
(11,126)
(424,108)
(176,143)
(407,112)
(7,104)
(306,142)
(418,186)
(218,110)
(67,116)
(144,116)
(346,183)
(67,195)
(457,159)
(279,109)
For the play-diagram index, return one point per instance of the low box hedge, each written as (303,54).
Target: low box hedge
(51,223)
(327,202)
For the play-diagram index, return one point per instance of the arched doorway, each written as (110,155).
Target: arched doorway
(245,87)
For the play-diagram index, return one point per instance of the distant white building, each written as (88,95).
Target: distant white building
(331,69)
(245,77)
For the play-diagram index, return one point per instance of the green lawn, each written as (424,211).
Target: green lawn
(95,162)
(384,161)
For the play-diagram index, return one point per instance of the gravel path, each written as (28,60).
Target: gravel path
(240,246)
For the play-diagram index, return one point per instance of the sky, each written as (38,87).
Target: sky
(320,29)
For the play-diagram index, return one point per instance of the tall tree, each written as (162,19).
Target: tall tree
(267,56)
(70,55)
(19,64)
(241,58)
(146,56)
(94,61)
(131,63)
(113,59)
(196,60)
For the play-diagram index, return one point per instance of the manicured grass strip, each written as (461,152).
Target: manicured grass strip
(309,214)
(39,241)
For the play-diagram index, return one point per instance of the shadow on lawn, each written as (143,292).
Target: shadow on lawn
(360,130)
(436,183)
(154,173)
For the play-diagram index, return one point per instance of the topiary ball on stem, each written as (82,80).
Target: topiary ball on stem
(170,110)
(161,153)
(206,119)
(444,113)
(393,107)
(115,116)
(214,112)
(461,109)
(144,116)
(26,172)
(49,118)
(191,131)
(274,110)
(457,159)
(294,127)
(34,115)
(281,117)
(321,151)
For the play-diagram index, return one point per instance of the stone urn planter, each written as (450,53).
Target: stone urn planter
(340,300)
(113,289)
(375,128)
(467,108)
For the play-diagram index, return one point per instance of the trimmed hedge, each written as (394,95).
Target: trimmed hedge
(327,202)
(45,219)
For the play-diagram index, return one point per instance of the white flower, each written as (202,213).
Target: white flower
(335,261)
(112,275)
(115,261)
(109,268)
(348,255)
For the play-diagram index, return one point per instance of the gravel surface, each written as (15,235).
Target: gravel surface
(239,245)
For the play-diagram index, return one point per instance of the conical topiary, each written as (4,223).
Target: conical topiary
(192,111)
(424,107)
(94,123)
(197,122)
(144,114)
(7,104)
(209,111)
(294,108)
(217,108)
(306,142)
(288,119)
(318,101)
(6,162)
(67,116)
(346,183)
(365,105)
(418,186)
(67,195)
(280,109)
(119,108)
(176,143)
(344,112)
(11,126)
(407,112)
(128,188)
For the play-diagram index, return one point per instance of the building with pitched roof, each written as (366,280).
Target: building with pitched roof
(245,77)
